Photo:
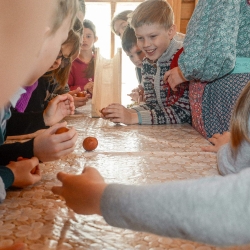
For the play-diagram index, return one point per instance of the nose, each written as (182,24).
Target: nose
(146,43)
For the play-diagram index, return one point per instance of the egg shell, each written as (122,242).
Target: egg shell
(90,143)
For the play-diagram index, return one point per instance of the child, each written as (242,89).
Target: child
(82,70)
(154,29)
(136,55)
(43,31)
(233,147)
(210,55)
(120,22)
(48,33)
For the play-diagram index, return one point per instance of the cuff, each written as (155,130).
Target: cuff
(7,176)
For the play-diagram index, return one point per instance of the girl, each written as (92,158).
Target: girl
(120,22)
(233,148)
(82,71)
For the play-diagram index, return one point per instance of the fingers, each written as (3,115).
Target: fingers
(209,149)
(216,136)
(167,74)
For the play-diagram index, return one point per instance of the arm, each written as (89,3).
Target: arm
(46,146)
(209,47)
(228,164)
(153,113)
(211,210)
(27,123)
(117,113)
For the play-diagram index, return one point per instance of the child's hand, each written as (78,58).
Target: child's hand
(89,87)
(217,140)
(82,193)
(22,172)
(174,77)
(49,146)
(58,108)
(117,113)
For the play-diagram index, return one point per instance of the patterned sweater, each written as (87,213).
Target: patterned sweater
(156,109)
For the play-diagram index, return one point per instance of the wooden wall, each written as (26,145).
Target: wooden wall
(183,10)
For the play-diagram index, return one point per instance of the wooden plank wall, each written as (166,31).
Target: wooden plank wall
(183,10)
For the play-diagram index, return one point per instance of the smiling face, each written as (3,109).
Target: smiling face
(136,56)
(119,27)
(154,39)
(88,39)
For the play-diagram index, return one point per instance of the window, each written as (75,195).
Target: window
(100,13)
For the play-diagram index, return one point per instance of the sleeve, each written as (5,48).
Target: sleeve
(10,152)
(24,123)
(213,210)
(6,180)
(2,190)
(210,42)
(228,163)
(156,114)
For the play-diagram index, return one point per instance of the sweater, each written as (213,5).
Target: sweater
(158,95)
(77,77)
(213,210)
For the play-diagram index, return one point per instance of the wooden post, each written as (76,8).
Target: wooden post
(112,38)
(176,6)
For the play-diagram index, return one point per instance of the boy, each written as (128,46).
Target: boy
(154,29)
(136,55)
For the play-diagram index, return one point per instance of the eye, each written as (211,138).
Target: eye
(139,38)
(153,36)
(138,52)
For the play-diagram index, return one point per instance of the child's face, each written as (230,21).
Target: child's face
(119,27)
(88,39)
(154,39)
(136,56)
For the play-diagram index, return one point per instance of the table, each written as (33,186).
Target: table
(126,154)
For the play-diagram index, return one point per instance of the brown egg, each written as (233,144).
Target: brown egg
(81,94)
(33,171)
(90,143)
(62,130)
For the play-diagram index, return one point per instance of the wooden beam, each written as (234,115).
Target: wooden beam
(112,38)
(176,6)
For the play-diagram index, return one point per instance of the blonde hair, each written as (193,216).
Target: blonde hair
(65,8)
(239,119)
(152,12)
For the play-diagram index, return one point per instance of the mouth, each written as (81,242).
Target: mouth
(150,52)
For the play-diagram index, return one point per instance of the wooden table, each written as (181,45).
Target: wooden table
(126,154)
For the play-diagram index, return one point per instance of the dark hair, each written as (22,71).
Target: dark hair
(129,39)
(90,70)
(121,16)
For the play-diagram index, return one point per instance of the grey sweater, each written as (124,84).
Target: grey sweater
(213,210)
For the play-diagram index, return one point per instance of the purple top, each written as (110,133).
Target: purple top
(25,97)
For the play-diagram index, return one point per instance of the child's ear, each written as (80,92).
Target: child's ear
(172,31)
(96,38)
